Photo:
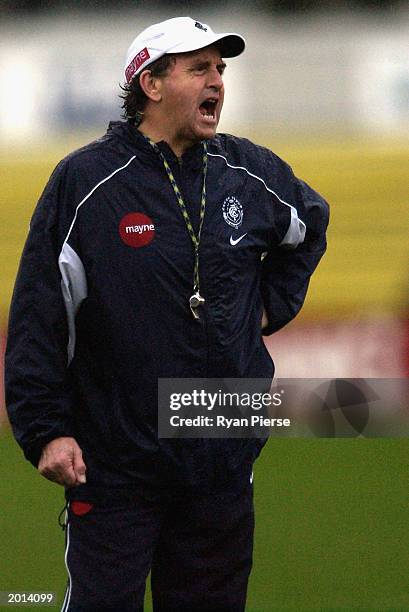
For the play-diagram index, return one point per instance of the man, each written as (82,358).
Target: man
(155,252)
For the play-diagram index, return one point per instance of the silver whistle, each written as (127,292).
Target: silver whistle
(195,301)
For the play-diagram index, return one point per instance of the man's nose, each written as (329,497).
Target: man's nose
(215,80)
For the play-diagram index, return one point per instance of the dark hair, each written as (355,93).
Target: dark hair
(134,98)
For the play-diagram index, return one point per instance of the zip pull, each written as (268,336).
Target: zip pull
(60,521)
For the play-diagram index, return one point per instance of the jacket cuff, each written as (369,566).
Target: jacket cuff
(32,451)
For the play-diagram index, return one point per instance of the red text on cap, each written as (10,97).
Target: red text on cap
(136,230)
(139,59)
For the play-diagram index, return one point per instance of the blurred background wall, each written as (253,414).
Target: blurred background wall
(323,84)
(308,73)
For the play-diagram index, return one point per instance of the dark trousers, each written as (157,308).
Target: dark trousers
(197,546)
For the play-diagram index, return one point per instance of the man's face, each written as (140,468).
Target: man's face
(192,96)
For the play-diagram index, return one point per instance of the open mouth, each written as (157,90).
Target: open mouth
(208,108)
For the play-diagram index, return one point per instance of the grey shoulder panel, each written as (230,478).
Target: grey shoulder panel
(74,289)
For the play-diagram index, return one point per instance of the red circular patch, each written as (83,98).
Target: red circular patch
(136,229)
(80,508)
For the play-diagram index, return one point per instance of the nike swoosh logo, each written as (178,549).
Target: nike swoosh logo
(233,242)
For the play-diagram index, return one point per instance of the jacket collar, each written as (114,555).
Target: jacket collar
(127,132)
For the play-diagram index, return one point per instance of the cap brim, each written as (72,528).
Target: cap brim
(230,45)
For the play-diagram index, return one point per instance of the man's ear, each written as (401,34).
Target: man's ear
(151,86)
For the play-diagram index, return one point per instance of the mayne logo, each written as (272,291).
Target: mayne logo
(136,230)
(200,26)
(139,59)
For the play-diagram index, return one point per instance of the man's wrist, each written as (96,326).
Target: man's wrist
(34,450)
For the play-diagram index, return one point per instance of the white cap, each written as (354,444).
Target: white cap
(177,35)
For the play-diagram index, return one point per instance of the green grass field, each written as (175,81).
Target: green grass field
(331,532)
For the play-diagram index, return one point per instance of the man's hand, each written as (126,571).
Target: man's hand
(264,320)
(61,461)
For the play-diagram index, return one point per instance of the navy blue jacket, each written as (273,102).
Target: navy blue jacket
(100,308)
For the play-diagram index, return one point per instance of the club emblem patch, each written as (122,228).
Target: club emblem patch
(232,212)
